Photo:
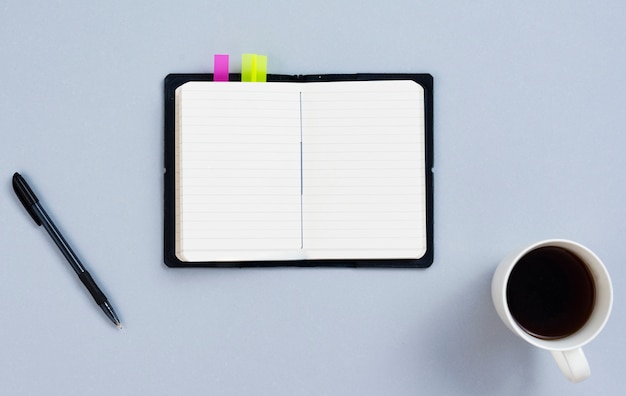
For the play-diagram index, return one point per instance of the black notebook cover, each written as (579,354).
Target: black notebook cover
(173,81)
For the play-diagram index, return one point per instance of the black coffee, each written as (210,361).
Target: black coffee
(550,293)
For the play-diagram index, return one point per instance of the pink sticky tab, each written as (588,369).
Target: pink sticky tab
(220,68)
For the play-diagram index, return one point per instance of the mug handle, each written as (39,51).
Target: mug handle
(573,364)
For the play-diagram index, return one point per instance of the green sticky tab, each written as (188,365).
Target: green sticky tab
(253,68)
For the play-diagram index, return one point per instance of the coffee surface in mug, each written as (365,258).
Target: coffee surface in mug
(550,293)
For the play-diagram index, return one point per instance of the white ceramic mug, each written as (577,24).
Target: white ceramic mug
(567,350)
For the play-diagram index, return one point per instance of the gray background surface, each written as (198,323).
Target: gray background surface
(529,144)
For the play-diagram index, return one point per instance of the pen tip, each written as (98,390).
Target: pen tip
(119,326)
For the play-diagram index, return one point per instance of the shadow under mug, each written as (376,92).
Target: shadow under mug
(566,349)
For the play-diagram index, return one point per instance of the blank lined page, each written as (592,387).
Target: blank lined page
(237,172)
(363,170)
(291,171)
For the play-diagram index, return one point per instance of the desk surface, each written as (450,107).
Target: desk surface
(529,144)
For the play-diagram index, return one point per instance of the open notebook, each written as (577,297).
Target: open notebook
(333,171)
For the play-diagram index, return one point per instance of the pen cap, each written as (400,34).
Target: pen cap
(26,195)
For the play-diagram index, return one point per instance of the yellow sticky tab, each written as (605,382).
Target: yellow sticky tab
(253,68)
(248,66)
(261,68)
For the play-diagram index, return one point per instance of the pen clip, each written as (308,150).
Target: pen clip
(26,195)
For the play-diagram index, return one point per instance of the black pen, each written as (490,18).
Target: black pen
(34,208)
